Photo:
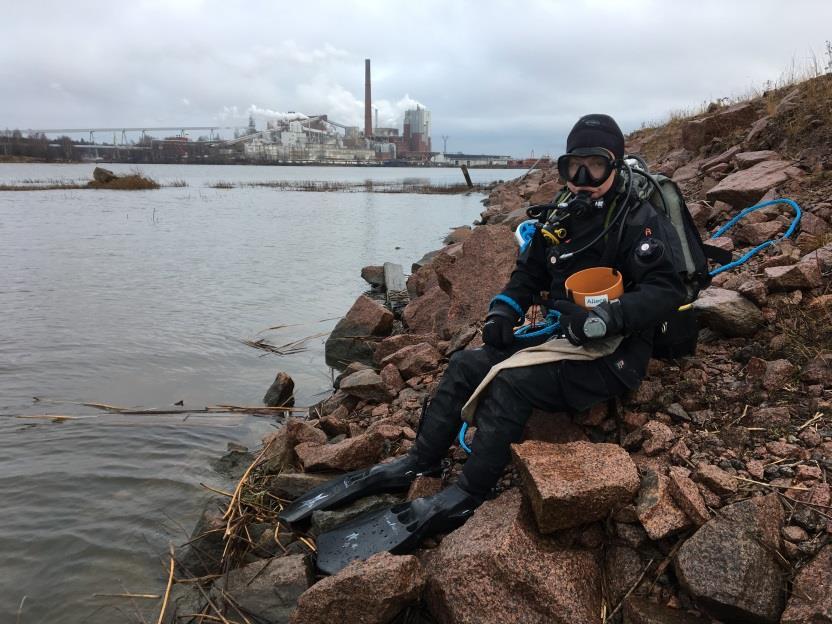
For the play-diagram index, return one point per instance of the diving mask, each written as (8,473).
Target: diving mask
(586,166)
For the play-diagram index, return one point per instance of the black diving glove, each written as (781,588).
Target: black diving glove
(498,331)
(579,325)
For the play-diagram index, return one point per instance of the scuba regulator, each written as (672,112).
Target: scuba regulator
(553,219)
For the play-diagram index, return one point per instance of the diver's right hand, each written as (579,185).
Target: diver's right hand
(498,331)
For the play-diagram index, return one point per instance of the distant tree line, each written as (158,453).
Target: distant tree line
(36,146)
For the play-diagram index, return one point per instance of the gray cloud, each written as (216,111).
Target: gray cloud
(498,77)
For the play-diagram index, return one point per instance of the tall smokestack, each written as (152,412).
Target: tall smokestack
(368,101)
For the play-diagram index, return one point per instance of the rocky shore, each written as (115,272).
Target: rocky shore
(702,497)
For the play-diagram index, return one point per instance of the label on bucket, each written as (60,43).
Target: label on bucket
(593,300)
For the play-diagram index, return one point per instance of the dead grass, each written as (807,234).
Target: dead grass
(133,182)
(806,124)
(807,330)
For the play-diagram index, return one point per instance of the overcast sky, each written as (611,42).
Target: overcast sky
(498,77)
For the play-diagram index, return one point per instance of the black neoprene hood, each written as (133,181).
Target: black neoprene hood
(596,130)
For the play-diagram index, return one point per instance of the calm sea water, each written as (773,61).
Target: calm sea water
(142,299)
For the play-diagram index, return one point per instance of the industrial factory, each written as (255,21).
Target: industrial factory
(298,138)
(288,138)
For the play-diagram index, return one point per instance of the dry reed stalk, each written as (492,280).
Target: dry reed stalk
(630,591)
(776,487)
(216,491)
(255,409)
(235,497)
(167,589)
(129,595)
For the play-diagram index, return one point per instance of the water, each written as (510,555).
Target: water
(141,299)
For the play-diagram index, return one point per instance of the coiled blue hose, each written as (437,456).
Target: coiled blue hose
(753,252)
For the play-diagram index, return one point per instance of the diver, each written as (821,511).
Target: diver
(595,221)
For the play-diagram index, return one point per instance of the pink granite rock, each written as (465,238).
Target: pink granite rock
(497,568)
(365,592)
(575,483)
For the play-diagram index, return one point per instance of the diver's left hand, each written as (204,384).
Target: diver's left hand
(572,319)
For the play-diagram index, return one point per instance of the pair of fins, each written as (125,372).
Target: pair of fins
(397,529)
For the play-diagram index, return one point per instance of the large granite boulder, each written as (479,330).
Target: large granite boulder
(747,186)
(497,568)
(575,483)
(428,314)
(730,565)
(471,280)
(365,592)
(352,339)
(728,312)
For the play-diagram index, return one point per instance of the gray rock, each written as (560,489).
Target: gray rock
(281,392)
(233,464)
(367,385)
(373,275)
(105,176)
(202,554)
(291,485)
(266,589)
(353,337)
(728,312)
(730,567)
(323,521)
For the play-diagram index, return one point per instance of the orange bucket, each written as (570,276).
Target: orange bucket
(591,287)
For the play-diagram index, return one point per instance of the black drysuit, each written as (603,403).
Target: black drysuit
(647,257)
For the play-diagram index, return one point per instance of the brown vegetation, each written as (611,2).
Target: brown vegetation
(134,182)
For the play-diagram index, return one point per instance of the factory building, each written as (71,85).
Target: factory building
(307,140)
(301,139)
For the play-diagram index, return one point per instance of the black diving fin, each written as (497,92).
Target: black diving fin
(395,476)
(397,529)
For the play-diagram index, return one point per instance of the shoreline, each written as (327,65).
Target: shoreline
(702,433)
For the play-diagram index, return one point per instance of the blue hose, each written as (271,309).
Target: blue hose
(462,444)
(753,252)
(547,328)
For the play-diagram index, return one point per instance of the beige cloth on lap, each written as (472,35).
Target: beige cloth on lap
(546,353)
